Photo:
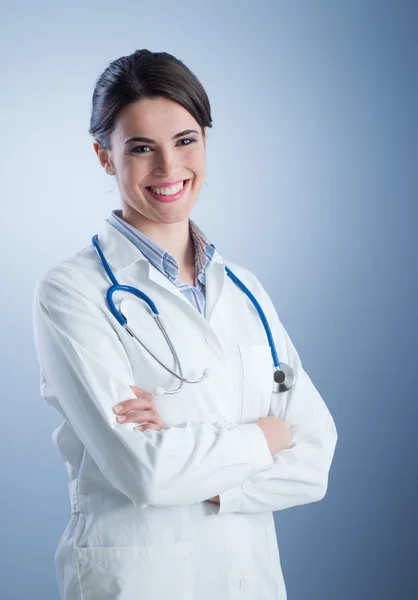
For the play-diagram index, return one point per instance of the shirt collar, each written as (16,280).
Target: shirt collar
(124,244)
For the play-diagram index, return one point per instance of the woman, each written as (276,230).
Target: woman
(182,507)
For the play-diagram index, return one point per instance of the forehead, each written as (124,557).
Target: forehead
(154,118)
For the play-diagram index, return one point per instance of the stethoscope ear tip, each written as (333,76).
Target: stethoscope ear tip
(158,391)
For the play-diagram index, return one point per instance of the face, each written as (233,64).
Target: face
(168,155)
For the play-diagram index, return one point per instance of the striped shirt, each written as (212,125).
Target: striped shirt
(167,264)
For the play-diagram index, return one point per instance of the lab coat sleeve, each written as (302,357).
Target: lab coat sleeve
(299,475)
(85,363)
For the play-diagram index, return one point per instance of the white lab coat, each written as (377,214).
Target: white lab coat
(141,527)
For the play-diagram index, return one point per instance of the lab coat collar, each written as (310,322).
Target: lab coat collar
(121,253)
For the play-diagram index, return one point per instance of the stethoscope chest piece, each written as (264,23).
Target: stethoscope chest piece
(283,377)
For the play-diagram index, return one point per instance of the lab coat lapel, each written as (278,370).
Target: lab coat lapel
(215,279)
(162,281)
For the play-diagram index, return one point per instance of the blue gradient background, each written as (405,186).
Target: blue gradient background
(311,183)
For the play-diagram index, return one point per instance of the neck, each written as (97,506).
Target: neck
(175,238)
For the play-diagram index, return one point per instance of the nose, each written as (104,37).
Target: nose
(166,162)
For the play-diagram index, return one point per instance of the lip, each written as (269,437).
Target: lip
(172,198)
(166,183)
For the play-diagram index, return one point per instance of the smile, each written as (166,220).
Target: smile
(169,194)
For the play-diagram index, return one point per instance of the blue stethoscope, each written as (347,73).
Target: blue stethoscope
(283,375)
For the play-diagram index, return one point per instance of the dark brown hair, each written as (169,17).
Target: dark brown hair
(145,74)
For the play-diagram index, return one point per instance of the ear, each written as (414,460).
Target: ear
(103,156)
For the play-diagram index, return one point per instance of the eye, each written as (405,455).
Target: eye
(140,149)
(190,140)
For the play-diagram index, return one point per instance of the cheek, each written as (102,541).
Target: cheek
(133,173)
(197,164)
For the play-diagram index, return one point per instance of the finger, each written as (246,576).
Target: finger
(140,393)
(155,426)
(134,404)
(138,416)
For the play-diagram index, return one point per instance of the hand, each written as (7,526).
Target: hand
(139,410)
(214,499)
(276,433)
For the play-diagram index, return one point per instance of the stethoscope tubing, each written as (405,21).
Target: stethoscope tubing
(281,370)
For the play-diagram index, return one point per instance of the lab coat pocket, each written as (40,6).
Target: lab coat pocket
(153,572)
(257,381)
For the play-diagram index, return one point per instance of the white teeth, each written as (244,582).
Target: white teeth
(167,191)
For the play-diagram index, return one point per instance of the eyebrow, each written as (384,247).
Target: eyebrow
(150,141)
